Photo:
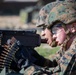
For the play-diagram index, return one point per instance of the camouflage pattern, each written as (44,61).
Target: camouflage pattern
(43,14)
(64,12)
(66,64)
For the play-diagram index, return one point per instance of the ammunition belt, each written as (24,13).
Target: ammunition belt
(7,55)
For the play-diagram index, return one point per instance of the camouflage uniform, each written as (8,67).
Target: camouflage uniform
(66,64)
(65,57)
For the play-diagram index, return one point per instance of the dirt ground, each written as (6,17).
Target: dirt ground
(13,22)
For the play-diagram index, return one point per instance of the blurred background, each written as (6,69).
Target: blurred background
(20,14)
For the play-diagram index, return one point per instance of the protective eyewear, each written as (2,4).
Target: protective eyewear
(56,27)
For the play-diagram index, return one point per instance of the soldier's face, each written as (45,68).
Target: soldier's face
(59,35)
(47,35)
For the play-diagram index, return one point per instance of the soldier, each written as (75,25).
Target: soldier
(43,13)
(35,57)
(32,56)
(61,27)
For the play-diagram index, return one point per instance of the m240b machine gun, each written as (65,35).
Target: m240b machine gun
(21,53)
(26,38)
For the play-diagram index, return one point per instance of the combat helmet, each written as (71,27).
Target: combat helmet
(46,10)
(43,13)
(64,12)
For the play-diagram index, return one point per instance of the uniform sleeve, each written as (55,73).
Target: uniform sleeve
(65,67)
(41,61)
(55,59)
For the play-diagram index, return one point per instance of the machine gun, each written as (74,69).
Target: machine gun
(21,53)
(26,38)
